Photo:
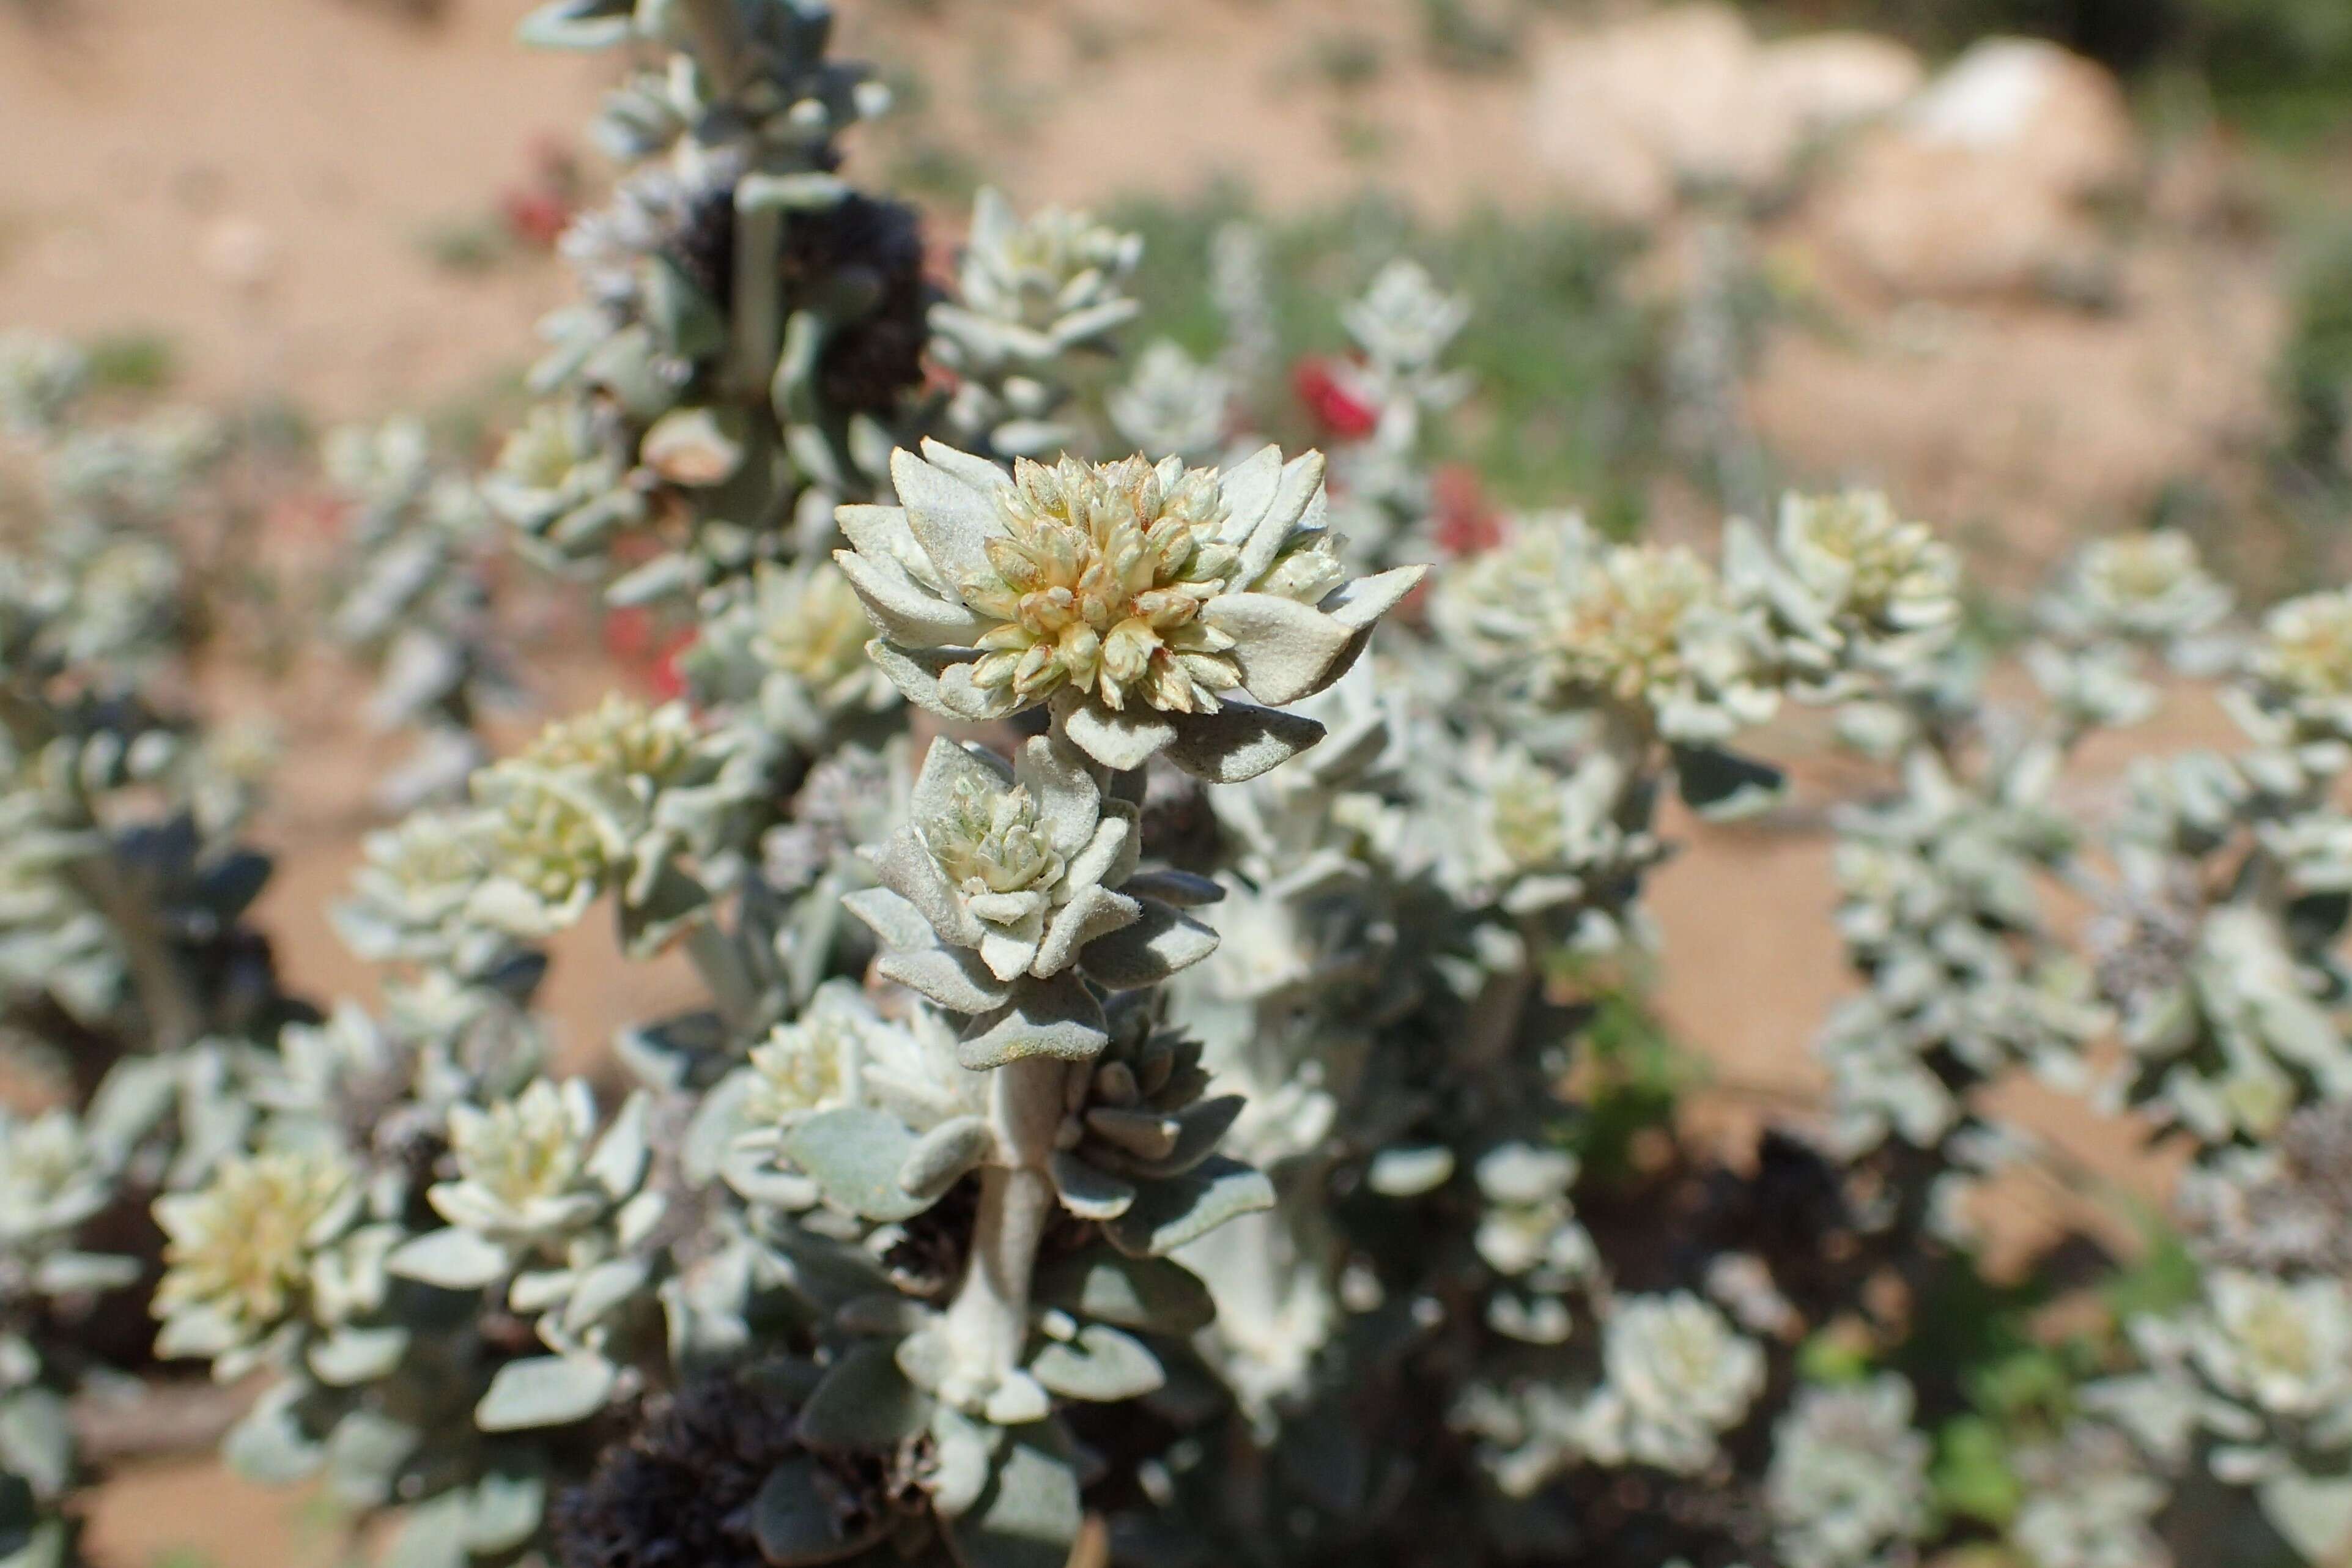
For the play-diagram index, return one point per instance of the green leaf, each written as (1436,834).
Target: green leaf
(1148,1293)
(545,1391)
(1973,1474)
(1168,1214)
(854,1155)
(1101,1365)
(865,1402)
(1028,1516)
(1722,785)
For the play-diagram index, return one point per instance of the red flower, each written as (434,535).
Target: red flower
(535,216)
(1462,519)
(668,679)
(628,633)
(1324,387)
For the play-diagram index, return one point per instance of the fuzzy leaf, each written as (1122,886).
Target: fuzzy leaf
(1028,1516)
(1056,1017)
(1238,742)
(1285,649)
(1147,1293)
(2314,1512)
(1118,741)
(954,977)
(1168,1214)
(1087,1191)
(452,1258)
(505,1511)
(1100,1366)
(1722,786)
(354,1355)
(865,1402)
(545,1391)
(432,1536)
(270,1447)
(941,1156)
(854,1155)
(1160,942)
(796,1518)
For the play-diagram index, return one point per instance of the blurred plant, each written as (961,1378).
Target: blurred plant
(417,604)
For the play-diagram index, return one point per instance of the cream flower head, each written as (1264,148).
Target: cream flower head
(1134,597)
(238,1253)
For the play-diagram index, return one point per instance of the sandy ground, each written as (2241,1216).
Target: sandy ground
(256,182)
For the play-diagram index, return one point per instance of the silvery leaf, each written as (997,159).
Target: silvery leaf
(545,1391)
(433,1535)
(1148,1293)
(354,1355)
(1722,786)
(1100,1366)
(797,1518)
(452,1258)
(855,1153)
(1168,1214)
(941,1156)
(504,1512)
(1239,741)
(1056,1017)
(865,1402)
(1160,942)
(1028,1515)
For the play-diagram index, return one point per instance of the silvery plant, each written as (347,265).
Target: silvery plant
(130,980)
(1169,1083)
(416,603)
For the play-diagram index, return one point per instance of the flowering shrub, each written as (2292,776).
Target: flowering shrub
(1165,911)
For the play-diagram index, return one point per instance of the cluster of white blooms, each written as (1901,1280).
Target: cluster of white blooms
(1848,1483)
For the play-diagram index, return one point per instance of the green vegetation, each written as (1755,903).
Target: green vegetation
(1566,361)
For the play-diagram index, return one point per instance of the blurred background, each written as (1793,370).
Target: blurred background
(2040,268)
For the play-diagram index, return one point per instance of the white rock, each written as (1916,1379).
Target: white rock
(1979,185)
(1626,115)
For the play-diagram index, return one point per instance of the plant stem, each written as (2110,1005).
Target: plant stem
(718,45)
(175,1014)
(720,963)
(988,1322)
(758,230)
